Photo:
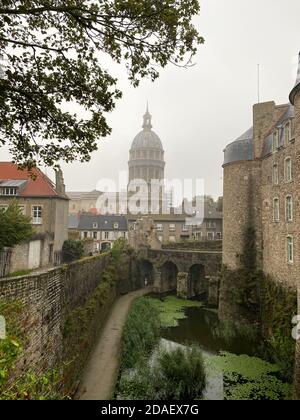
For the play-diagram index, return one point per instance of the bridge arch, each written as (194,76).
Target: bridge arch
(197,283)
(146,272)
(169,272)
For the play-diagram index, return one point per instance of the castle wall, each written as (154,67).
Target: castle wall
(64,308)
(275,233)
(240,207)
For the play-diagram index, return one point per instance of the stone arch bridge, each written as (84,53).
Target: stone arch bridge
(189,273)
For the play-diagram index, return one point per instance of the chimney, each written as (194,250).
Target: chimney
(263,115)
(59,178)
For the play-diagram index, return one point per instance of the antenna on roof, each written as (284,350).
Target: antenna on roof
(258,83)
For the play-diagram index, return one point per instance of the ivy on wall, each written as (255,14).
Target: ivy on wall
(15,384)
(264,304)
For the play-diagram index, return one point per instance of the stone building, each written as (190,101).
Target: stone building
(261,191)
(261,188)
(46,204)
(103,230)
(147,163)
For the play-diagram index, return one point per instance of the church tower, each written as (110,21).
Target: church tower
(146,156)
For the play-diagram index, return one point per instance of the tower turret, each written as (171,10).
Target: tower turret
(296,90)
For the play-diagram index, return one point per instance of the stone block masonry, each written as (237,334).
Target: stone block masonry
(47,299)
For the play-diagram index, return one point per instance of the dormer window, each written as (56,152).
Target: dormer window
(95,225)
(116,225)
(9,191)
(275,141)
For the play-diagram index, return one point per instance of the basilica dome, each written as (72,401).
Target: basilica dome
(146,156)
(147,139)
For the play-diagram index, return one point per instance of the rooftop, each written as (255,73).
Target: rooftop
(34,184)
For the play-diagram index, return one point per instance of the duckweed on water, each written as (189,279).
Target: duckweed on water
(248,378)
(172,309)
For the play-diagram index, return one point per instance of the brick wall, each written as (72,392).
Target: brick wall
(47,298)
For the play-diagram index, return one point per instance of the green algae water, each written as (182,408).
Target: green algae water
(234,371)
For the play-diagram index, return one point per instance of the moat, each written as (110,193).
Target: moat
(233,367)
(199,327)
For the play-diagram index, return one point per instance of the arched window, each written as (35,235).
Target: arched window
(288,172)
(276,211)
(275,175)
(290,249)
(289,208)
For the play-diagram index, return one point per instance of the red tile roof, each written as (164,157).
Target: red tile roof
(41,185)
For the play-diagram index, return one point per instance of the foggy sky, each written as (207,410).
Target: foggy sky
(197,111)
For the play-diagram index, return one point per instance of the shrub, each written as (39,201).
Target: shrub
(182,374)
(175,375)
(72,250)
(14,226)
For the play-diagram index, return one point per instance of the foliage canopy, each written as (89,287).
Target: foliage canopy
(53,55)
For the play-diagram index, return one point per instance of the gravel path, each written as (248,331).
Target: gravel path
(101,372)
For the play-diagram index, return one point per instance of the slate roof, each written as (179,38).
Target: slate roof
(106,223)
(73,221)
(241,149)
(268,144)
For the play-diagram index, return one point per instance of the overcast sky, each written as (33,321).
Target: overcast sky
(196,112)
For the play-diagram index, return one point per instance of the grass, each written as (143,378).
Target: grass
(141,333)
(20,273)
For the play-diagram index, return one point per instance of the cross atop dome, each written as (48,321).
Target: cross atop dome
(147,119)
(296,88)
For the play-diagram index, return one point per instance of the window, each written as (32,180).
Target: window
(106,235)
(9,191)
(172,227)
(95,235)
(116,225)
(290,249)
(275,175)
(288,170)
(199,235)
(95,225)
(159,227)
(275,141)
(219,235)
(287,133)
(85,235)
(276,215)
(289,208)
(210,236)
(37,215)
(185,228)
